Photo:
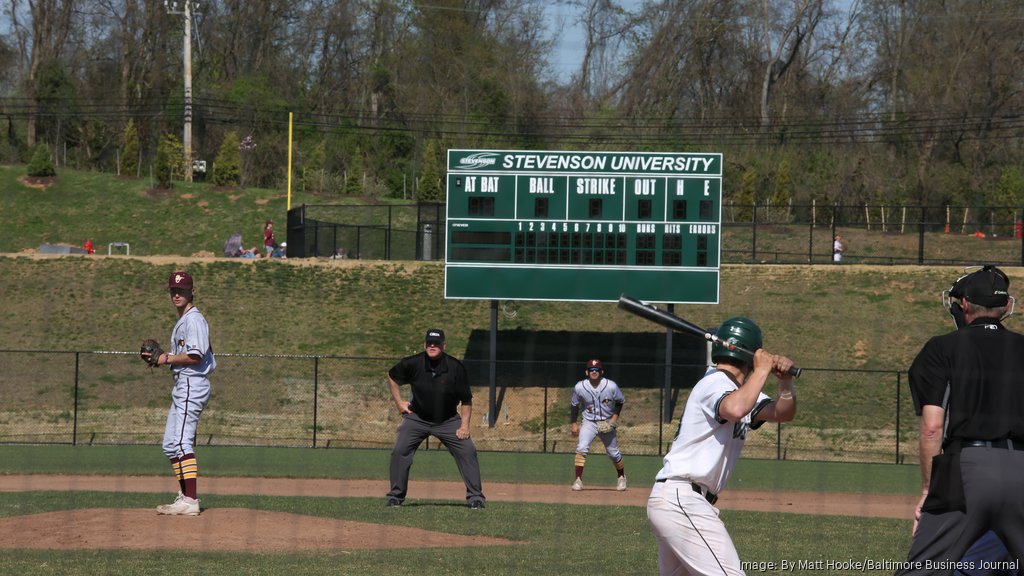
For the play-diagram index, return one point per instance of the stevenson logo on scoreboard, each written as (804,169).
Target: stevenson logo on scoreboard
(478,160)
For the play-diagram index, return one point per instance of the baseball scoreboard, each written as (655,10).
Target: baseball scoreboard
(583,226)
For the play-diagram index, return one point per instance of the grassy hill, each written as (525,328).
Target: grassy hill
(822,316)
(190,219)
(831,317)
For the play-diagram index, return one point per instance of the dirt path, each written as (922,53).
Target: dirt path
(839,504)
(248,530)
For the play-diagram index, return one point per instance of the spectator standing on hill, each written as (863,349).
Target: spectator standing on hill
(269,243)
(442,406)
(837,248)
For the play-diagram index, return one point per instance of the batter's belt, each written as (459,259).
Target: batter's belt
(707,494)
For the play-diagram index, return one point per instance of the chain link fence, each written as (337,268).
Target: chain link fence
(872,234)
(368,232)
(751,233)
(90,397)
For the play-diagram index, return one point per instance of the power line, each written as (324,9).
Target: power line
(641,130)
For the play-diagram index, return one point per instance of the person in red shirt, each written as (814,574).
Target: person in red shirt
(269,243)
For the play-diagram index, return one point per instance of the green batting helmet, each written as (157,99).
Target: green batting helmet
(738,331)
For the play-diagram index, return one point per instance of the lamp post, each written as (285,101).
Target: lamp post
(186,139)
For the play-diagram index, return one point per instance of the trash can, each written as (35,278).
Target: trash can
(427,242)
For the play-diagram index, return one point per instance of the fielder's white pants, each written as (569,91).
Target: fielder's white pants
(692,539)
(588,431)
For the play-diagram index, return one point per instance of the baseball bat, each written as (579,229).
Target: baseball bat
(669,320)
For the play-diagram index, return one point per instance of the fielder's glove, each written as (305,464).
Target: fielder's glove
(150,352)
(605,426)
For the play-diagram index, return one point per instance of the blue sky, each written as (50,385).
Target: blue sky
(568,51)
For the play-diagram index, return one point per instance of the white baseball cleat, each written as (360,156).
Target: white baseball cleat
(577,485)
(621,484)
(182,506)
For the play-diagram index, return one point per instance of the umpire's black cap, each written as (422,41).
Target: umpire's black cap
(434,336)
(988,287)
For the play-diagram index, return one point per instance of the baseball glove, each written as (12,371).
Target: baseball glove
(605,426)
(150,352)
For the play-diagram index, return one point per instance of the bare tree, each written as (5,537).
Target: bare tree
(785,27)
(40,42)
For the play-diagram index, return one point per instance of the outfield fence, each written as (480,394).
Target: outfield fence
(751,233)
(97,397)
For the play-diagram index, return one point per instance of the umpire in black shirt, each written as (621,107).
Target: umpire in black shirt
(440,392)
(968,388)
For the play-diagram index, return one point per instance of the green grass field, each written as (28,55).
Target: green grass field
(554,538)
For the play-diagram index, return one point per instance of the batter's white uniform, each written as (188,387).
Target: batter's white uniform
(191,392)
(598,404)
(691,537)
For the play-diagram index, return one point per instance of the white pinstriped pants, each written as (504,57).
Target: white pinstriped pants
(691,537)
(588,431)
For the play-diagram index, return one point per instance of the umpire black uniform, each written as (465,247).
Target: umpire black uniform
(440,391)
(968,386)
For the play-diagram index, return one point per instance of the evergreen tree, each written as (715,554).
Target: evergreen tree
(227,168)
(312,171)
(781,196)
(747,196)
(430,179)
(165,161)
(129,160)
(41,164)
(354,175)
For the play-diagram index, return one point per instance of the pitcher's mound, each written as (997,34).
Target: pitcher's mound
(218,529)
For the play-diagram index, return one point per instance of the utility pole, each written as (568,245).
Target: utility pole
(186,139)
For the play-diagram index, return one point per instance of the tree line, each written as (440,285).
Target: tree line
(849,102)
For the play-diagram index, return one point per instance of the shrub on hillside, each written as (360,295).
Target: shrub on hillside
(41,165)
(129,157)
(227,168)
(165,162)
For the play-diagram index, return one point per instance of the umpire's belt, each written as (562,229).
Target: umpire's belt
(1005,444)
(707,494)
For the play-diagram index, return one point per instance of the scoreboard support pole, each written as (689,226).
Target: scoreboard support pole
(492,369)
(667,408)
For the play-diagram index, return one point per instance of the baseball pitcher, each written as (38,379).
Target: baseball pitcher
(191,361)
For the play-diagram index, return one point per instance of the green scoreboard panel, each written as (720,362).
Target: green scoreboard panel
(583,226)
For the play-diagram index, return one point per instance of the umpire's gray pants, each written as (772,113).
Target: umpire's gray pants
(411,433)
(995,501)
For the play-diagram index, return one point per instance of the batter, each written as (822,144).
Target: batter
(191,361)
(726,403)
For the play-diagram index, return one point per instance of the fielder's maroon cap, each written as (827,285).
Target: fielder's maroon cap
(180,280)
(595,363)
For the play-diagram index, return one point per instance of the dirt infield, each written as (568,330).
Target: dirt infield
(240,529)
